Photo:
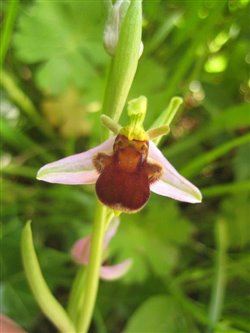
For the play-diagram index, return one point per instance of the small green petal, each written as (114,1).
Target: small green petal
(112,125)
(158,132)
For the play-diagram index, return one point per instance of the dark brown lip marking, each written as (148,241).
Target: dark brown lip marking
(125,175)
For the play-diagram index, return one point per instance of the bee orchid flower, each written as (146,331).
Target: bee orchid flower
(80,253)
(124,168)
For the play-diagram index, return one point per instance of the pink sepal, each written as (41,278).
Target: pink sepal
(172,184)
(115,272)
(76,169)
(80,251)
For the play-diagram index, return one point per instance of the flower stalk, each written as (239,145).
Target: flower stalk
(93,269)
(121,74)
(219,284)
(122,71)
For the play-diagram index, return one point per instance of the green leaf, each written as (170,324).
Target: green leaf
(149,77)
(158,314)
(223,327)
(152,239)
(241,163)
(19,140)
(164,219)
(206,158)
(47,302)
(236,210)
(17,302)
(235,117)
(54,74)
(65,37)
(220,190)
(16,299)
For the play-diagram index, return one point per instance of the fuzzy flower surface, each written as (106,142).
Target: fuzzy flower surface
(125,168)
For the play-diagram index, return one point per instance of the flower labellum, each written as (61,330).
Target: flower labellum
(124,168)
(126,175)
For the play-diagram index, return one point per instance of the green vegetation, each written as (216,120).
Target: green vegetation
(191,263)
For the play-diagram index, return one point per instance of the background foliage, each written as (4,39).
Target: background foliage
(186,257)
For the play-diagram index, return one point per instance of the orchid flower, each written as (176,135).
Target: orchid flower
(125,168)
(81,250)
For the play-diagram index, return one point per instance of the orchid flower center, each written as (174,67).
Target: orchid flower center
(126,175)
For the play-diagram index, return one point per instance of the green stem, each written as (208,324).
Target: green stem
(93,269)
(47,302)
(121,74)
(77,292)
(7,30)
(124,63)
(18,96)
(22,100)
(219,285)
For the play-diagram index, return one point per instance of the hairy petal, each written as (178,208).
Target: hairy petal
(171,183)
(76,169)
(115,272)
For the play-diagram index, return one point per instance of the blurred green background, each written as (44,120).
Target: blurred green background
(191,262)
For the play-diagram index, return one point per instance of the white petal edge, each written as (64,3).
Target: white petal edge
(76,169)
(115,272)
(172,184)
